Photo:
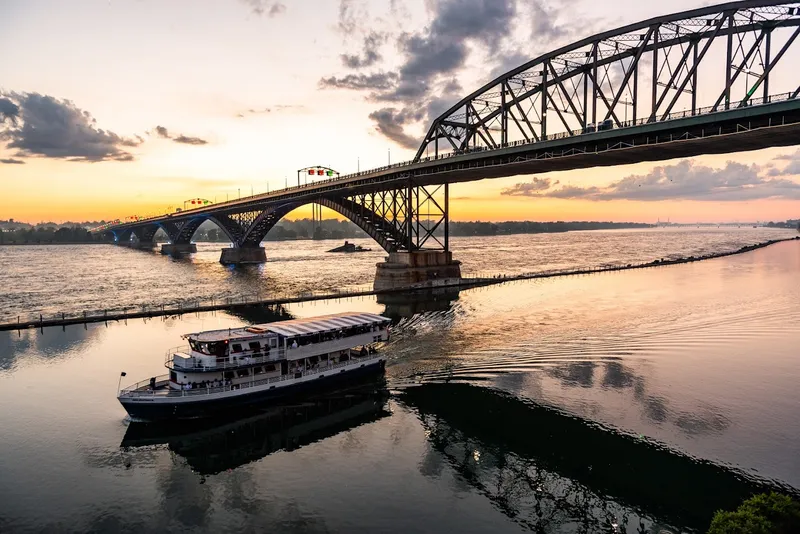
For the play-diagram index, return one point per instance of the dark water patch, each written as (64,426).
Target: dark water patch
(642,476)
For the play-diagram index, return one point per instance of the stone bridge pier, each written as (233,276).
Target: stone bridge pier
(419,267)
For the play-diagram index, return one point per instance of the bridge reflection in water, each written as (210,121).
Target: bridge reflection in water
(552,472)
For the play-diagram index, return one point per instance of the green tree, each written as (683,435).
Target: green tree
(762,514)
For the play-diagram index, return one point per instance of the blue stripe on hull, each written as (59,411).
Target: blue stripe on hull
(146,411)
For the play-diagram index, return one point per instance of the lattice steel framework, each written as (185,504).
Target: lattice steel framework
(407,218)
(718,57)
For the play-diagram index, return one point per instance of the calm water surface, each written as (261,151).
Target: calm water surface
(645,399)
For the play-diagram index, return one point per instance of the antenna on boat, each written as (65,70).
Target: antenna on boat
(123,373)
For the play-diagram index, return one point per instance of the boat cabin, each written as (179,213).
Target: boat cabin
(228,357)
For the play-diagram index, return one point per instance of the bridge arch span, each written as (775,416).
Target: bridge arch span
(182,232)
(377,227)
(640,73)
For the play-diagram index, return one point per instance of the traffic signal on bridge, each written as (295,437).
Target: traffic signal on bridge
(320,172)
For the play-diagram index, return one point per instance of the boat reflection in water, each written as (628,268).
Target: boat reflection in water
(552,472)
(211,446)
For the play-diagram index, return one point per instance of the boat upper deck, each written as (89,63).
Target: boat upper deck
(292,328)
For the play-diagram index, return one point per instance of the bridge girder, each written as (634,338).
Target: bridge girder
(407,218)
(637,74)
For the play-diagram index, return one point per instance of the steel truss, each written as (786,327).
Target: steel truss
(407,218)
(637,74)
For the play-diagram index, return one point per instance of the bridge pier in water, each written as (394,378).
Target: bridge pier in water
(421,266)
(243,256)
(178,249)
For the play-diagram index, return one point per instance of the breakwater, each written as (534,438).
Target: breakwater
(41,320)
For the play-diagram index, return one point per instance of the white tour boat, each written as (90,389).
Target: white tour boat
(242,366)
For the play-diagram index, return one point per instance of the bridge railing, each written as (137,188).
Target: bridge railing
(752,102)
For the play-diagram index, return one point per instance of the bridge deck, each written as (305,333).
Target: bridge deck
(742,129)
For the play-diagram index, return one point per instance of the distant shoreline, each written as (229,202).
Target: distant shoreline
(452,235)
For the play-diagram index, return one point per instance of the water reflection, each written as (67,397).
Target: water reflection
(407,305)
(213,446)
(52,343)
(550,471)
(261,314)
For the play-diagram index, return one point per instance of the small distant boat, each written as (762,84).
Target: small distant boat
(350,247)
(225,369)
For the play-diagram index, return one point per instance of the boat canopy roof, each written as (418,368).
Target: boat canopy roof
(293,327)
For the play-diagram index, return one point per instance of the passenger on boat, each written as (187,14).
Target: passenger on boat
(294,343)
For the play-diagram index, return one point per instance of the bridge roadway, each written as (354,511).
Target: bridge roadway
(754,127)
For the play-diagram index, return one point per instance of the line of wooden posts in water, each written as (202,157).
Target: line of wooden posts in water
(243,302)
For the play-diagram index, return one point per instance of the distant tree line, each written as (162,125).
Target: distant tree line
(528,227)
(47,235)
(787,224)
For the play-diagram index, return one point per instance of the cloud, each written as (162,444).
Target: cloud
(529,189)
(9,111)
(371,55)
(276,109)
(435,56)
(389,122)
(350,16)
(378,81)
(791,169)
(486,31)
(163,132)
(271,8)
(12,161)
(184,140)
(44,126)
(689,181)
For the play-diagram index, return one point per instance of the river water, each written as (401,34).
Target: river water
(643,399)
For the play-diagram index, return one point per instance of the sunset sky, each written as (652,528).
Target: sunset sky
(111,108)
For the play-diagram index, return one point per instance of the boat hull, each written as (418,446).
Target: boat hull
(144,409)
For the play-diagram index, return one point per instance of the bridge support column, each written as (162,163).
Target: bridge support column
(178,249)
(243,255)
(419,267)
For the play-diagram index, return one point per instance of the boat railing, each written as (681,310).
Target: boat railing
(160,381)
(142,389)
(250,358)
(223,362)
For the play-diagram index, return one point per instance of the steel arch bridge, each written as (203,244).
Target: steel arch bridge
(638,74)
(717,79)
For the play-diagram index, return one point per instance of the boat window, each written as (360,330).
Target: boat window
(229,374)
(258,370)
(269,368)
(273,342)
(173,376)
(255,346)
(236,347)
(243,372)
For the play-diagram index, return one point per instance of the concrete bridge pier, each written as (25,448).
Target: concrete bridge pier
(178,249)
(419,267)
(243,256)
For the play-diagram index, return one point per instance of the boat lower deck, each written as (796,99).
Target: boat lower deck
(159,402)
